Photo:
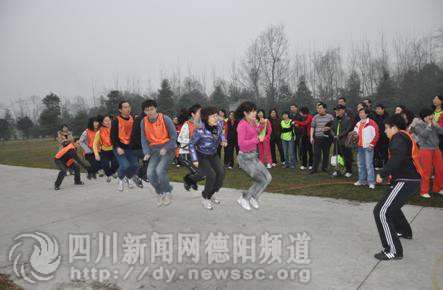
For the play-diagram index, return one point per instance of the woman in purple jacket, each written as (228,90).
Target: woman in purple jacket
(203,150)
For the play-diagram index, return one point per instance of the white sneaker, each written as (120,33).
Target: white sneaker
(207,204)
(358,183)
(273,164)
(167,198)
(425,195)
(335,173)
(214,199)
(129,183)
(230,167)
(244,203)
(160,200)
(441,192)
(302,168)
(254,203)
(348,175)
(120,185)
(269,166)
(372,186)
(310,167)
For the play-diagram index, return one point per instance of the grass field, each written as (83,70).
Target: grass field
(39,153)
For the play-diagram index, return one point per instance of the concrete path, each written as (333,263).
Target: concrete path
(340,253)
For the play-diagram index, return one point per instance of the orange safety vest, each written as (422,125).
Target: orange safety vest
(90,135)
(105,137)
(156,133)
(63,151)
(191,127)
(415,154)
(125,129)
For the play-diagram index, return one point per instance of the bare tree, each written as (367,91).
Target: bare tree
(275,61)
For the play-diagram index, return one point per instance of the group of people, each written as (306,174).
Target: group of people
(402,149)
(134,149)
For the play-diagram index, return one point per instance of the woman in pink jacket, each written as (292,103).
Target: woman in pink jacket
(264,147)
(248,139)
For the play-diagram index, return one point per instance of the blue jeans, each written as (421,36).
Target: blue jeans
(288,151)
(365,161)
(158,171)
(127,164)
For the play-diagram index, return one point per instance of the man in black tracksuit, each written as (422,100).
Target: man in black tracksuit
(404,169)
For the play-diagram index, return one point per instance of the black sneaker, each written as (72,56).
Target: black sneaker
(408,237)
(79,183)
(138,182)
(89,176)
(56,187)
(382,256)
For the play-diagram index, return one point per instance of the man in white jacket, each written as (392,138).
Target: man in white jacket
(368,133)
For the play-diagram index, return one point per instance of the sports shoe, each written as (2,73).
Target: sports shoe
(244,203)
(120,185)
(269,166)
(371,186)
(108,179)
(254,203)
(302,168)
(348,175)
(167,198)
(207,204)
(214,199)
(335,173)
(387,256)
(425,195)
(137,181)
(358,183)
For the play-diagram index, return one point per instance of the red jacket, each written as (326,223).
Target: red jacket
(306,124)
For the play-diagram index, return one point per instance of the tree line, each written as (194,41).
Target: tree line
(404,71)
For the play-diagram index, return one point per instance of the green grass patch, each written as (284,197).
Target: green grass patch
(39,153)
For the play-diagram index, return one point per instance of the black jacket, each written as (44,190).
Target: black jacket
(400,164)
(114,135)
(346,126)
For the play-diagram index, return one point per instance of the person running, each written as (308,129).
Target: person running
(367,131)
(276,137)
(185,135)
(405,172)
(102,147)
(87,143)
(66,159)
(264,147)
(248,139)
(231,138)
(320,138)
(121,138)
(427,130)
(305,143)
(203,150)
(158,138)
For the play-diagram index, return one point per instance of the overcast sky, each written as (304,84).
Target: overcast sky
(70,46)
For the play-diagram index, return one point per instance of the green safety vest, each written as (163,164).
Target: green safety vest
(286,136)
(437,116)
